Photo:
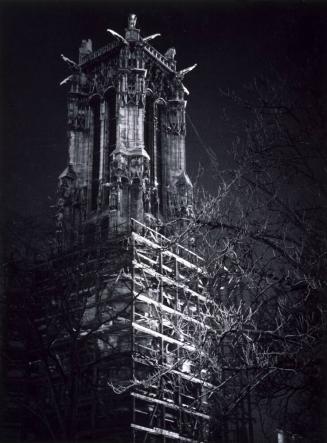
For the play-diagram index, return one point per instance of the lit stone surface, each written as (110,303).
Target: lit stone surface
(126,137)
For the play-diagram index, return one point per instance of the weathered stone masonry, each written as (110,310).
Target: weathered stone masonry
(126,136)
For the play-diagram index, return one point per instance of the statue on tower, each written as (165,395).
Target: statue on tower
(170,53)
(132,21)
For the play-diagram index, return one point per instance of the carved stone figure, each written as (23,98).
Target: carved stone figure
(113,199)
(146,200)
(170,53)
(132,21)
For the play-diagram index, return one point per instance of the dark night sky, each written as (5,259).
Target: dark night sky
(231,42)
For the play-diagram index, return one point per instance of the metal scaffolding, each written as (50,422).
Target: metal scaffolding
(169,288)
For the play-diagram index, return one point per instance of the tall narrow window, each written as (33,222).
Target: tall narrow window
(96,153)
(112,123)
(158,143)
(149,140)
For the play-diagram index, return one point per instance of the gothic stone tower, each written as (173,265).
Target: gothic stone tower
(137,289)
(126,135)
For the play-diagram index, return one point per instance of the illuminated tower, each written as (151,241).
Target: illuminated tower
(126,135)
